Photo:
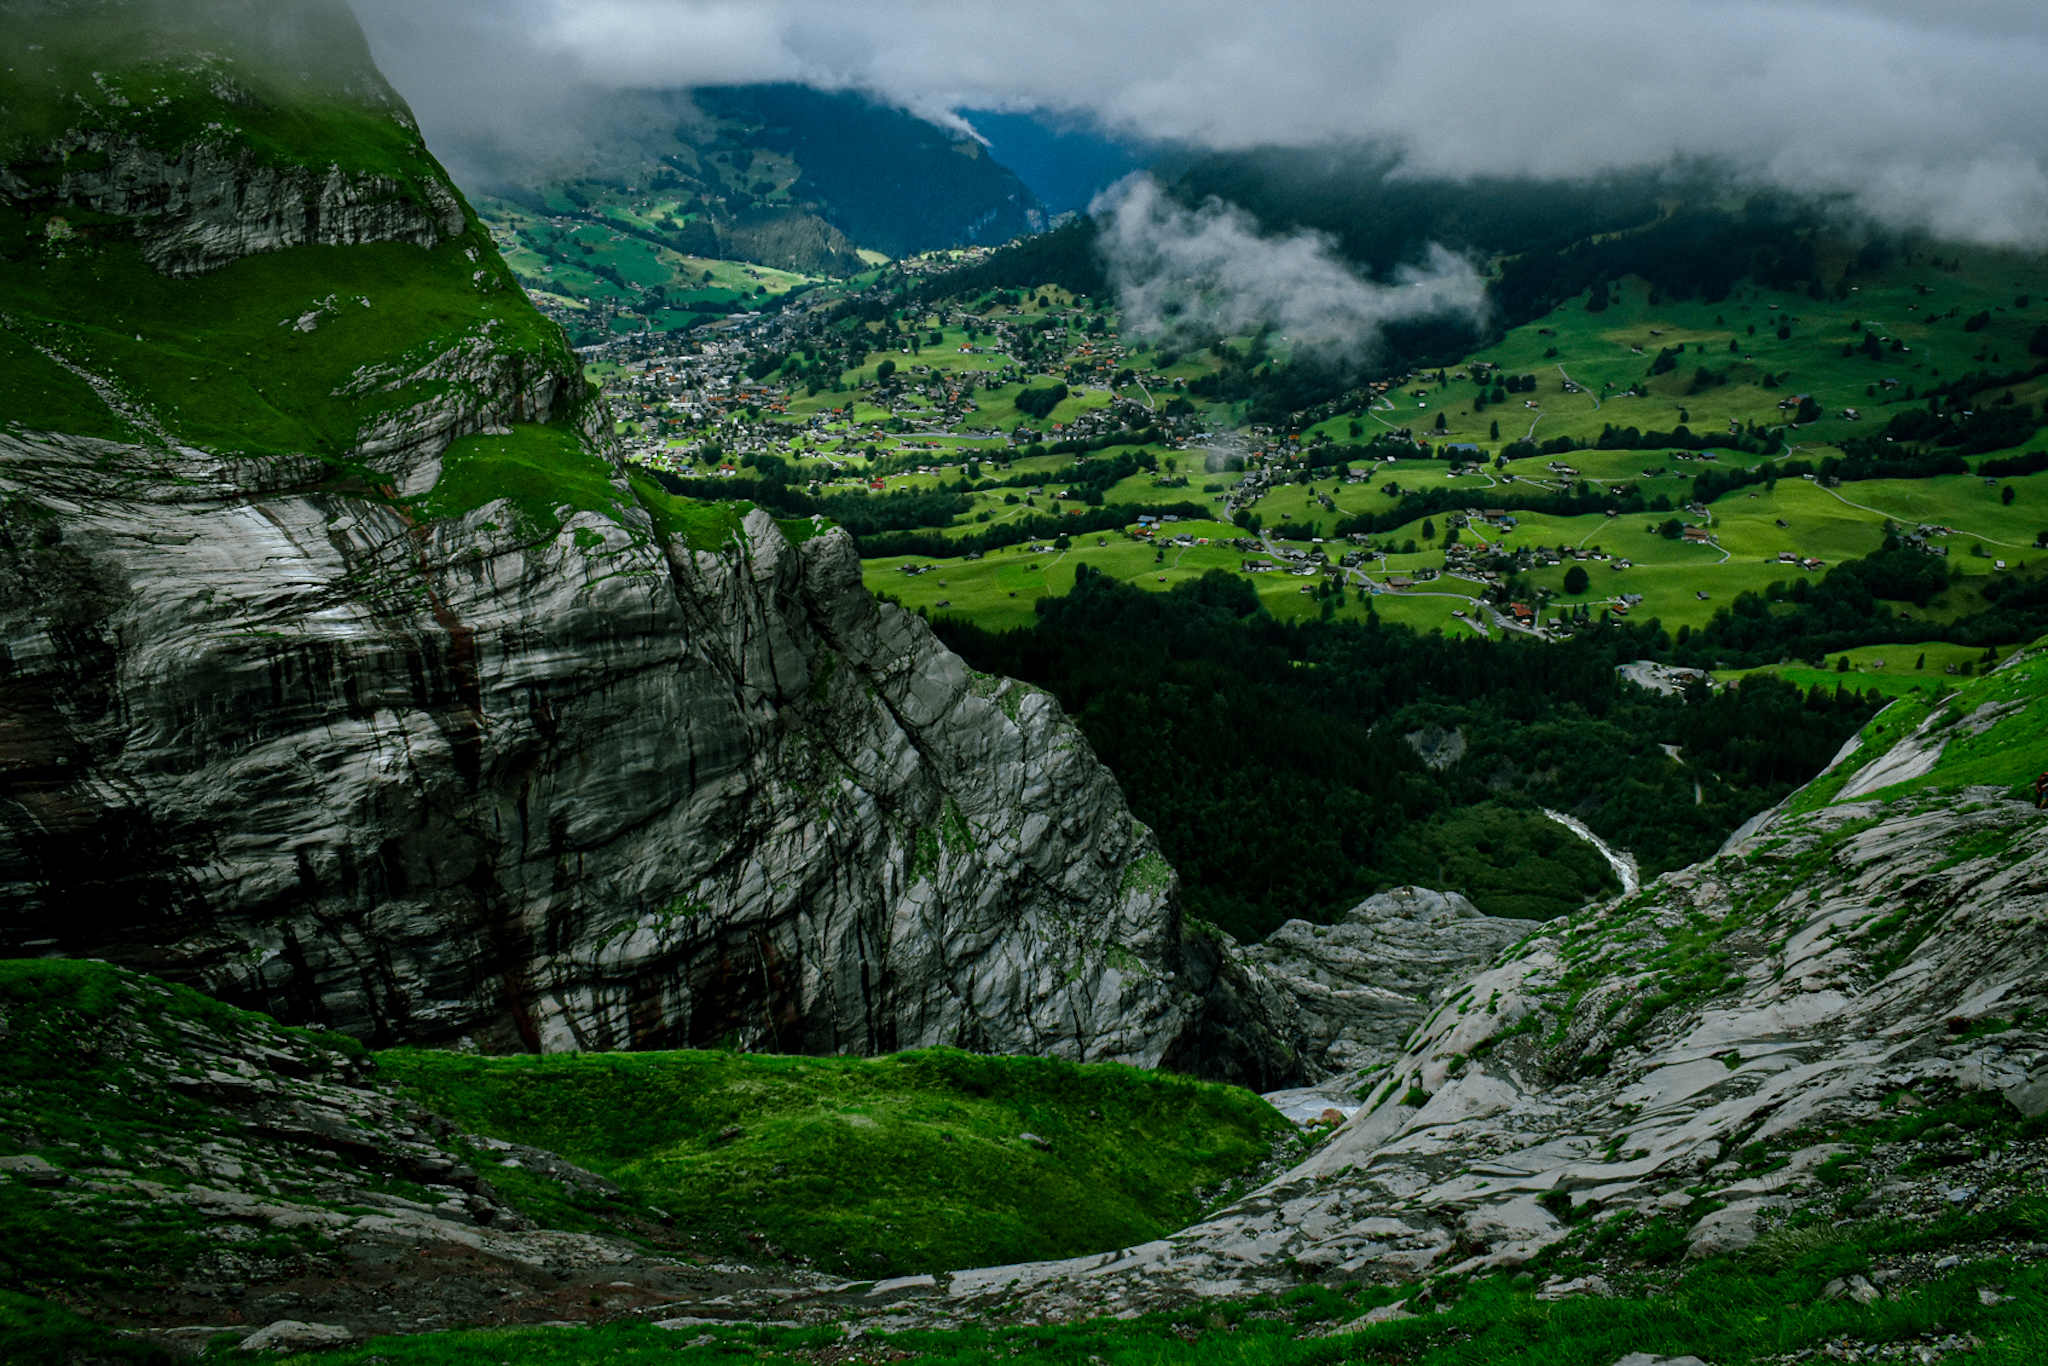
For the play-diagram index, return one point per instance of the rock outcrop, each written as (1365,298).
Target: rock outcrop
(324,736)
(587,789)
(215,131)
(293,1195)
(1692,1054)
(206,206)
(1346,996)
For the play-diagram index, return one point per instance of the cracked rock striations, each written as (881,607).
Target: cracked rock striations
(583,790)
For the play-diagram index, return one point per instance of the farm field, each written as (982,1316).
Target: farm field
(1606,353)
(922,398)
(1676,582)
(1894,670)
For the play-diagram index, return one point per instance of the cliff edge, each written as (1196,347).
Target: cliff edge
(346,674)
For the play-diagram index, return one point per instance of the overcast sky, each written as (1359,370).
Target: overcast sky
(1928,114)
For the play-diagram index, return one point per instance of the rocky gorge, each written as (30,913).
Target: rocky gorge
(1739,1053)
(1828,1032)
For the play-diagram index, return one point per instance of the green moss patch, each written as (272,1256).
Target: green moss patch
(882,1166)
(541,469)
(39,395)
(698,525)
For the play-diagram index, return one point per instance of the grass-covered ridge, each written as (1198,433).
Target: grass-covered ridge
(219,361)
(538,468)
(1988,730)
(97,1069)
(310,349)
(866,1166)
(291,80)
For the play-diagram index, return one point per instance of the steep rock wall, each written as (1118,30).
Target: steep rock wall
(204,206)
(584,790)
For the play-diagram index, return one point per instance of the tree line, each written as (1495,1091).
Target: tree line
(1272,758)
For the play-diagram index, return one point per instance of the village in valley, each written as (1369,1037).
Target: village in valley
(1648,459)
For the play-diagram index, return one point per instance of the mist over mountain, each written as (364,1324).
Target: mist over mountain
(1066,163)
(1919,119)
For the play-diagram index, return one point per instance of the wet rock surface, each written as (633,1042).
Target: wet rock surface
(581,789)
(298,1202)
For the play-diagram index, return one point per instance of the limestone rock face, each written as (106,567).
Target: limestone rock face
(473,386)
(205,206)
(1843,961)
(581,789)
(1346,996)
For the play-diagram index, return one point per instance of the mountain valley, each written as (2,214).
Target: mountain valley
(738,747)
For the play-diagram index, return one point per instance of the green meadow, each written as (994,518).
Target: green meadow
(864,1166)
(1750,370)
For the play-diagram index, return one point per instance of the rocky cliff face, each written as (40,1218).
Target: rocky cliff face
(583,790)
(1736,1046)
(1346,996)
(207,206)
(360,741)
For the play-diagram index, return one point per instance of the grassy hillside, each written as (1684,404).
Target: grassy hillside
(875,1166)
(151,1137)
(302,350)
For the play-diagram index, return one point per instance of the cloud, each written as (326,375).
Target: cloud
(1922,116)
(1209,271)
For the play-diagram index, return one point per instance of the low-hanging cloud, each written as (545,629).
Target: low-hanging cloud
(1921,116)
(1209,271)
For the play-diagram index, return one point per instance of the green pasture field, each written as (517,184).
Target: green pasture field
(1888,668)
(876,1166)
(1596,349)
(1432,607)
(1966,503)
(1670,574)
(558,265)
(997,592)
(1617,346)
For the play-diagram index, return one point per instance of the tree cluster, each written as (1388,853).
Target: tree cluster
(1272,759)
